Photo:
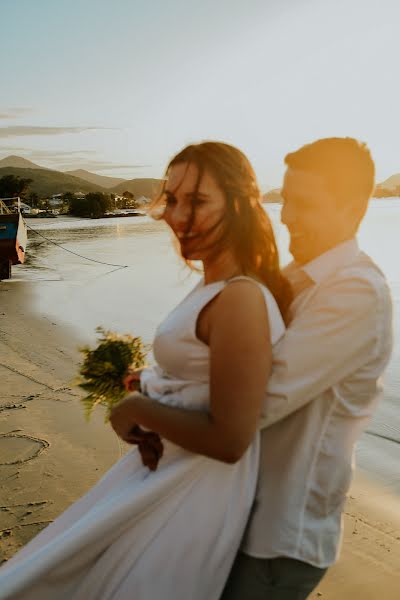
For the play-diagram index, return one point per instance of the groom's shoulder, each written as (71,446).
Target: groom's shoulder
(363,270)
(359,284)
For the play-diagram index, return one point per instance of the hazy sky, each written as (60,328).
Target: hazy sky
(119,86)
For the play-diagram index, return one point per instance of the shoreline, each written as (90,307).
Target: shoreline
(50,455)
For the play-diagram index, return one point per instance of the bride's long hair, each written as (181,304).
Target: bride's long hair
(247,228)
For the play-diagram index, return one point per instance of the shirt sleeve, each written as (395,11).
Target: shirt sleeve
(345,326)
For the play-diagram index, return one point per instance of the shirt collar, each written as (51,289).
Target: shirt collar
(326,264)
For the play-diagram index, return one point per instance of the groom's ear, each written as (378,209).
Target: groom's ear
(350,217)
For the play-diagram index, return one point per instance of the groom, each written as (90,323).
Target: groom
(324,386)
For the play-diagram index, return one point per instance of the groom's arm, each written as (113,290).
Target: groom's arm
(344,326)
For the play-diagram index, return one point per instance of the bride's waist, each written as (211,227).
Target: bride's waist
(174,391)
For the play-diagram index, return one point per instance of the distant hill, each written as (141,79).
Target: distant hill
(388,188)
(273,196)
(391,182)
(46,182)
(18,162)
(104,181)
(139,187)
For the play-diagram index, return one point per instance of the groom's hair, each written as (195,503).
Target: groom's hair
(346,166)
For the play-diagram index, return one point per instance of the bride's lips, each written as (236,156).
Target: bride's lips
(187,237)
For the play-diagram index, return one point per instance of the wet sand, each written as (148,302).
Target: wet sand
(368,567)
(49,455)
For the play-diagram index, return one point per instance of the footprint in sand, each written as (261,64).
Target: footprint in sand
(17,448)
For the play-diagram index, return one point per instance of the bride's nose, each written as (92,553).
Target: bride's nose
(181,216)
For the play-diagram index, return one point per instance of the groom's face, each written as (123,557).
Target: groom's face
(310,213)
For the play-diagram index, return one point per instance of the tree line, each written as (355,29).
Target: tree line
(93,204)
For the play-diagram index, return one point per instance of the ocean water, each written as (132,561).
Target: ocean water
(144,278)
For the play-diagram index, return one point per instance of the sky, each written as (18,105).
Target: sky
(118,87)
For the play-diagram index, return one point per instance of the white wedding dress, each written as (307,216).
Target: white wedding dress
(171,534)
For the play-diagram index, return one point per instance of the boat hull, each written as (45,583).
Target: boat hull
(13,238)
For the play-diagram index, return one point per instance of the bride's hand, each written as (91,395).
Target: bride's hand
(131,381)
(122,417)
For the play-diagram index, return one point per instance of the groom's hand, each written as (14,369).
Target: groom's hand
(151,449)
(149,443)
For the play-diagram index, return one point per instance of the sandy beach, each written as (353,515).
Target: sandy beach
(50,455)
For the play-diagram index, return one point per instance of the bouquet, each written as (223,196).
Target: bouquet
(104,368)
(102,376)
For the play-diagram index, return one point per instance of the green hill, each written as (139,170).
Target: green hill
(46,182)
(138,187)
(102,180)
(19,162)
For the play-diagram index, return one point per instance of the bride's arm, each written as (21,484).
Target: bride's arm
(240,363)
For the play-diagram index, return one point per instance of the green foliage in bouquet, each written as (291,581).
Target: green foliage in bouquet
(104,367)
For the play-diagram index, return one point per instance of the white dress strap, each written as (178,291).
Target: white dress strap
(246,277)
(277,326)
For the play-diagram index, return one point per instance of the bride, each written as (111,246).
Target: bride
(172,533)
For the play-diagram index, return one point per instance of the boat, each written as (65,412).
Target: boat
(13,236)
(124,213)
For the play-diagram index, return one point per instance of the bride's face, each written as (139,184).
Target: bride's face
(194,210)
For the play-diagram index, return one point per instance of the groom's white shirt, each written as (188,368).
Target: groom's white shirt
(321,394)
